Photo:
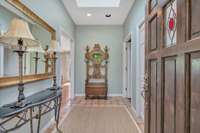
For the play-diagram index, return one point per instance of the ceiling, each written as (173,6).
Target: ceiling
(92,12)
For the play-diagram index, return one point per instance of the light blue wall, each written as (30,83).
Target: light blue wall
(112,36)
(53,12)
(131,25)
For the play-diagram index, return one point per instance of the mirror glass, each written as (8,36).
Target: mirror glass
(33,62)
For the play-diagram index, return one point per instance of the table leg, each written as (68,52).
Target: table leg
(57,110)
(59,105)
(39,119)
(31,120)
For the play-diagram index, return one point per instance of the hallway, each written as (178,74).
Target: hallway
(99,66)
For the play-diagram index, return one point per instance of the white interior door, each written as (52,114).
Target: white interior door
(129,71)
(127,78)
(141,66)
(126,71)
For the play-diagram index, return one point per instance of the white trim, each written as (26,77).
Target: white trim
(134,121)
(62,120)
(138,76)
(72,68)
(44,129)
(115,95)
(129,86)
(52,121)
(128,37)
(80,95)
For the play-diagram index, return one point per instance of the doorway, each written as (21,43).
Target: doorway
(66,68)
(127,89)
(140,68)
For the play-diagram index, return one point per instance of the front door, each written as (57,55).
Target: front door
(172,66)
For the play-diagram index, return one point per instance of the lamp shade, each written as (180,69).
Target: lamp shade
(54,47)
(18,29)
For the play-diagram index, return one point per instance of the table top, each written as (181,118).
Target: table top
(32,100)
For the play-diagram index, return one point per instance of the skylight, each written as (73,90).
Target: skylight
(98,3)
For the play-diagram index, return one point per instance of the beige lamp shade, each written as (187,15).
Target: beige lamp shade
(54,47)
(18,29)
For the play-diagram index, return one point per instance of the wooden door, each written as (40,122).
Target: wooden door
(172,66)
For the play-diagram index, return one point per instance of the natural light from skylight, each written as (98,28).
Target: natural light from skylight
(98,3)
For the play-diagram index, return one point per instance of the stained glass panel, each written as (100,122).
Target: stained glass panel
(97,57)
(153,3)
(170,24)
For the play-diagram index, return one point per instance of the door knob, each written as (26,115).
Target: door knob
(146,92)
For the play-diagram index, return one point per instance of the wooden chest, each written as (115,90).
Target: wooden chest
(96,91)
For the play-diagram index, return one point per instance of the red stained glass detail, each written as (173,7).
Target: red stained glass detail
(171,20)
(171,23)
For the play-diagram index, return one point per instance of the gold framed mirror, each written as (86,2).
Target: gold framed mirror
(38,27)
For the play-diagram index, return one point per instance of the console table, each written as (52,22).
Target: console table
(37,105)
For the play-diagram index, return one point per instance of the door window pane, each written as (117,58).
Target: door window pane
(153,3)
(170,23)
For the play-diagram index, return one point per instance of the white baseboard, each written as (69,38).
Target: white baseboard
(115,95)
(44,129)
(80,95)
(133,119)
(133,109)
(64,117)
(52,121)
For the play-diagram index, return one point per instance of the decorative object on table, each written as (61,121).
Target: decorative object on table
(37,50)
(96,84)
(18,37)
(47,58)
(53,50)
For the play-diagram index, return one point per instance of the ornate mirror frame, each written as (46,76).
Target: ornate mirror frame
(11,81)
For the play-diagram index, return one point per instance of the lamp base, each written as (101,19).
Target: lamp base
(55,87)
(20,104)
(21,96)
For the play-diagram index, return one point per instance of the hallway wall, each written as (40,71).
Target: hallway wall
(58,18)
(112,36)
(131,25)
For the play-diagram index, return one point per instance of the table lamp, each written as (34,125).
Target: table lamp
(37,50)
(53,50)
(18,37)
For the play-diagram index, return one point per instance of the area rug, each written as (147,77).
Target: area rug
(101,119)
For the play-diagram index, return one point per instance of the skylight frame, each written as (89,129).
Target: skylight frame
(98,3)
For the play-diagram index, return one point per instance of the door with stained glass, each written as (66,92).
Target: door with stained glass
(172,66)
